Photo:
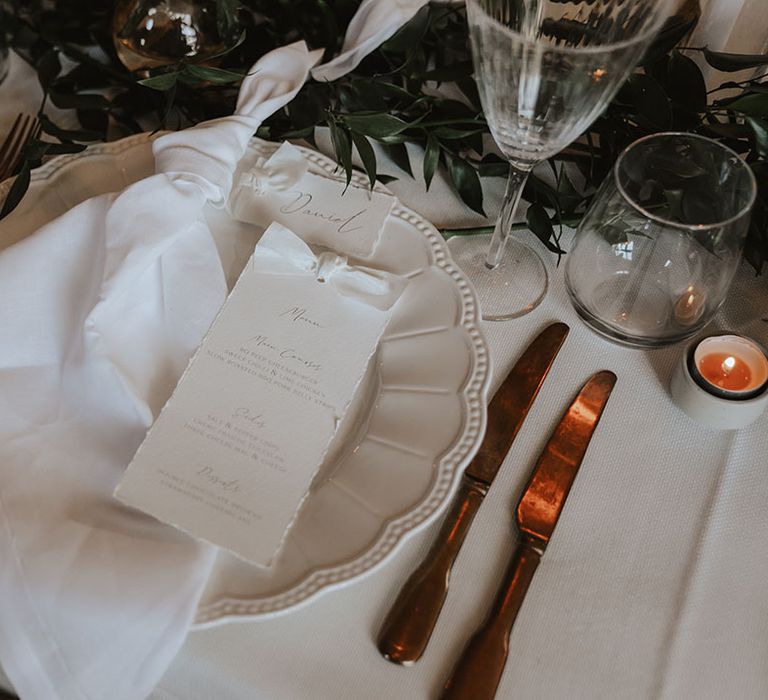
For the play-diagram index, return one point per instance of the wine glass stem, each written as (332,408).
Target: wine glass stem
(503,229)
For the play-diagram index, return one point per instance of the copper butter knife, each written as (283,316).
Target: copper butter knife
(477,673)
(409,624)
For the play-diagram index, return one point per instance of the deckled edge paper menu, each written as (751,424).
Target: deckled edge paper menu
(232,455)
(327,211)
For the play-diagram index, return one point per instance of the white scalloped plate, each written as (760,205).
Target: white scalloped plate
(415,424)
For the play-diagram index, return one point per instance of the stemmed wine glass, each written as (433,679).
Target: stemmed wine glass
(545,70)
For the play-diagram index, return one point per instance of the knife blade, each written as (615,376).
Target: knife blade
(409,624)
(477,673)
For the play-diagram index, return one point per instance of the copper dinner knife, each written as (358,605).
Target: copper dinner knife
(477,673)
(409,624)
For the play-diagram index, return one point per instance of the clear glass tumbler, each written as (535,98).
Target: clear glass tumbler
(656,252)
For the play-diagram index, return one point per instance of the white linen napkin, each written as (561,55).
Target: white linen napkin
(100,312)
(374,22)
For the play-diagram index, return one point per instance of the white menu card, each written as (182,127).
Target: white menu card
(232,454)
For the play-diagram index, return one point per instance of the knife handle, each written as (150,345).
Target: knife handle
(478,670)
(409,623)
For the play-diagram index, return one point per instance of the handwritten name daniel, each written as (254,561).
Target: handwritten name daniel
(300,205)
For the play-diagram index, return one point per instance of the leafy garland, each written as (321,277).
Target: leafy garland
(390,99)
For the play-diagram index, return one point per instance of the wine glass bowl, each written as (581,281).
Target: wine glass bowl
(545,69)
(570,60)
(153,33)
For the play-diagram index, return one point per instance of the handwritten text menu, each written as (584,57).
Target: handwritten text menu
(232,455)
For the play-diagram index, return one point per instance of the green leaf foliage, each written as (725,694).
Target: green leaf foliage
(755,105)
(399,154)
(431,159)
(377,126)
(162,81)
(541,226)
(367,156)
(65,100)
(209,74)
(18,188)
(226,16)
(760,129)
(652,106)
(675,28)
(466,181)
(408,37)
(685,83)
(732,62)
(52,129)
(48,68)
(389,101)
(342,146)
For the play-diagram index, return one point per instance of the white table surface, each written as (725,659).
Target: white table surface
(655,584)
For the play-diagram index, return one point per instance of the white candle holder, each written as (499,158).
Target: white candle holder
(711,405)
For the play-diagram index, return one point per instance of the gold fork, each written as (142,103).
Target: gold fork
(24,129)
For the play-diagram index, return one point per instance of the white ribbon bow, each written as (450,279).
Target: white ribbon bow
(281,171)
(280,251)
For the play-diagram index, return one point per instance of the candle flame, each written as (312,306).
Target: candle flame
(727,371)
(690,306)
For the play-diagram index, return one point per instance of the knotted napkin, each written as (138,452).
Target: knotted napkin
(101,310)
(374,22)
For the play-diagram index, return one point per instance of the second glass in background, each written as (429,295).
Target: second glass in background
(656,252)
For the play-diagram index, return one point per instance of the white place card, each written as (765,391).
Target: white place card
(324,210)
(232,454)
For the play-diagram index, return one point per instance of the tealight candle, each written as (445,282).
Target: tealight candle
(730,366)
(722,381)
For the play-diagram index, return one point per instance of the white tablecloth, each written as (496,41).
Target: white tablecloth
(655,584)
